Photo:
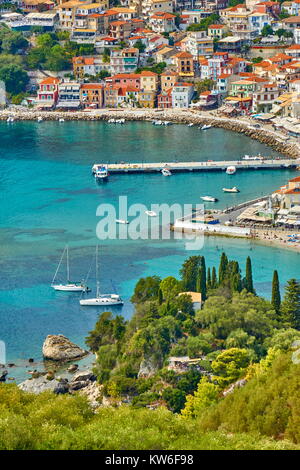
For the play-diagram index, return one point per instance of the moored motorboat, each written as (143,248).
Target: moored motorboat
(209,199)
(100,172)
(231,190)
(166,172)
(151,213)
(231,170)
(206,126)
(122,221)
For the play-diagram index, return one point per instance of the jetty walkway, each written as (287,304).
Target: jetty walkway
(122,168)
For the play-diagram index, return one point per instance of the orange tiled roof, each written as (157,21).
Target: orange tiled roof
(50,81)
(91,86)
(184,55)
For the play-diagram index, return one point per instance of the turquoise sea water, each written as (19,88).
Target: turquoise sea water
(49,198)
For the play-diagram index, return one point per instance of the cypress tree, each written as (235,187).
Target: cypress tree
(160,297)
(290,307)
(214,281)
(208,283)
(248,278)
(189,273)
(203,278)
(276,298)
(223,267)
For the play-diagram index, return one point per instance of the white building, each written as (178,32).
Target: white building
(182,94)
(68,95)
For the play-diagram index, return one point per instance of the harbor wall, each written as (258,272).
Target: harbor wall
(187,226)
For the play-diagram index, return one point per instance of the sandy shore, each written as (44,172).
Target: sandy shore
(277,238)
(243,125)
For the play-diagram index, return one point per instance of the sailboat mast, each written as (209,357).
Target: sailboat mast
(57,269)
(68,266)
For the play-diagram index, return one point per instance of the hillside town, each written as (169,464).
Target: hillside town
(237,58)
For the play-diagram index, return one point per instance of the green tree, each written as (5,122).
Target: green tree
(206,395)
(146,288)
(170,288)
(214,281)
(174,398)
(208,279)
(140,46)
(189,273)
(267,31)
(12,41)
(223,268)
(248,281)
(230,365)
(15,78)
(290,307)
(276,298)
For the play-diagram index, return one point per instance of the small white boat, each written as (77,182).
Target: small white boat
(206,126)
(122,221)
(166,172)
(100,172)
(10,119)
(68,286)
(101,300)
(209,199)
(157,123)
(111,121)
(39,119)
(231,190)
(190,124)
(151,213)
(61,120)
(254,157)
(231,170)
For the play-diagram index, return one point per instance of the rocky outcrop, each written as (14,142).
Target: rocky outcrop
(238,384)
(3,375)
(41,384)
(147,368)
(60,348)
(93,393)
(83,383)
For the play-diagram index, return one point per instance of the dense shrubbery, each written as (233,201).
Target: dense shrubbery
(51,422)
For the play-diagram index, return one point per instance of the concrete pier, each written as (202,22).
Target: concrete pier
(182,167)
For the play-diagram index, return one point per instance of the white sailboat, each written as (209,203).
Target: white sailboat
(101,299)
(68,286)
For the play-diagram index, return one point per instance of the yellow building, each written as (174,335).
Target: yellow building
(147,99)
(168,80)
(184,64)
(149,81)
(66,12)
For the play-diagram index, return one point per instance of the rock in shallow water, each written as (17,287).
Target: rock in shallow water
(41,384)
(60,348)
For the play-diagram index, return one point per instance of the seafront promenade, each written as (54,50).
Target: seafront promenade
(276,139)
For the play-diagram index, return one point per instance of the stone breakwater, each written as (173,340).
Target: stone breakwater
(262,134)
